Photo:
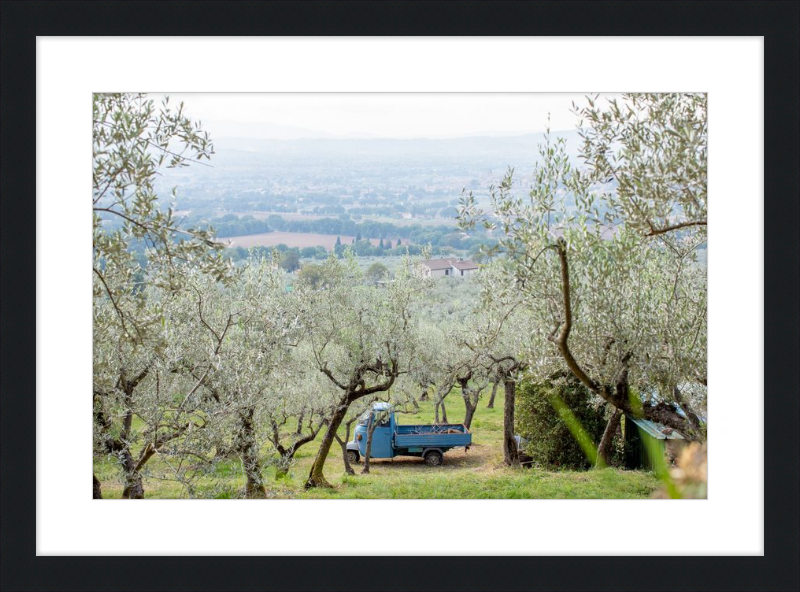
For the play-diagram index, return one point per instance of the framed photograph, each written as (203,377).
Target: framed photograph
(426,290)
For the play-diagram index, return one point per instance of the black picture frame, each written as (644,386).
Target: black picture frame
(22,21)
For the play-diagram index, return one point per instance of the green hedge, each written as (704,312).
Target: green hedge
(551,444)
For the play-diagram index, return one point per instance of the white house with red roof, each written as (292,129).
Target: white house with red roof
(451,266)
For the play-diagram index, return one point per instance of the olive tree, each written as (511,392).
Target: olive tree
(147,395)
(449,361)
(362,338)
(652,148)
(448,358)
(499,337)
(299,407)
(132,139)
(471,381)
(436,364)
(601,296)
(249,383)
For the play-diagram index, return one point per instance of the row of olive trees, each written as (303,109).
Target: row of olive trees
(191,384)
(195,360)
(234,368)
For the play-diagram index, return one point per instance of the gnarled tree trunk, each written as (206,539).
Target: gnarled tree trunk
(494,392)
(604,448)
(133,488)
(354,389)
(510,449)
(471,395)
(437,406)
(442,390)
(343,443)
(348,468)
(287,453)
(315,476)
(469,412)
(132,479)
(248,452)
(97,492)
(368,451)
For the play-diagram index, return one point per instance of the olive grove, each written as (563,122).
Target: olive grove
(607,266)
(202,364)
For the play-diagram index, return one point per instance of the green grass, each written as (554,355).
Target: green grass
(478,473)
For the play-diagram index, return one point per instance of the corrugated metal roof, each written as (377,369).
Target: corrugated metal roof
(655,429)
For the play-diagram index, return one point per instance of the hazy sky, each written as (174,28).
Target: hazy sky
(385,115)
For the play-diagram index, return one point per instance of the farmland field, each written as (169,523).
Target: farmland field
(477,473)
(259,215)
(294,239)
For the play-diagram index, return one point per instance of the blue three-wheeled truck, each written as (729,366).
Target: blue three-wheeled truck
(389,439)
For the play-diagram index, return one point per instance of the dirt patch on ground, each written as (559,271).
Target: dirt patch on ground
(479,457)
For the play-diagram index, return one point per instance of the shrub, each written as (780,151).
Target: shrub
(550,442)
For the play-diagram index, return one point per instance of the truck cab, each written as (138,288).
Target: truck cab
(389,439)
(383,417)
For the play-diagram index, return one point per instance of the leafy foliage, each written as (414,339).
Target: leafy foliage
(550,441)
(377,272)
(131,140)
(312,274)
(654,148)
(617,308)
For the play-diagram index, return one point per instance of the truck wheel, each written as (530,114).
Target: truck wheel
(433,458)
(352,456)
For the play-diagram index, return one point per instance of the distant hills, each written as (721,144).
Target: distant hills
(510,148)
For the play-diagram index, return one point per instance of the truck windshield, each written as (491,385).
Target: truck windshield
(381,418)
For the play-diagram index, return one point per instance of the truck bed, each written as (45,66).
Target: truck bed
(437,436)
